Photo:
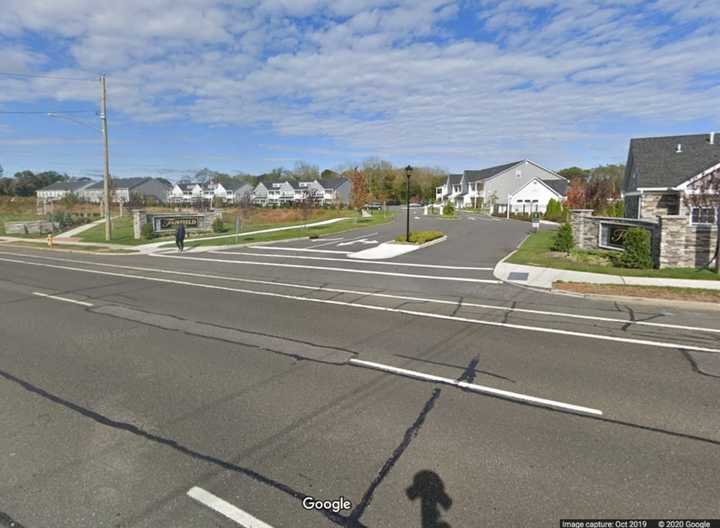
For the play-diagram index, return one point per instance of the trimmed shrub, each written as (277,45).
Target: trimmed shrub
(638,252)
(563,239)
(147,231)
(218,226)
(448,209)
(420,237)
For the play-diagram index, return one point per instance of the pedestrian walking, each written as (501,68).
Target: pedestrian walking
(180,237)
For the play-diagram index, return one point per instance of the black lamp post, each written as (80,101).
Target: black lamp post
(408,173)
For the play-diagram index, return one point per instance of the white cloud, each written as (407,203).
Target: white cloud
(371,76)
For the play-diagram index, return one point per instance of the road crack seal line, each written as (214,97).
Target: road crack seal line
(8,522)
(410,434)
(297,349)
(173,444)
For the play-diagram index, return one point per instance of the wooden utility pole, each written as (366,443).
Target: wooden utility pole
(107,185)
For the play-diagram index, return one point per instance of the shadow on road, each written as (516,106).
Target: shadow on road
(430,489)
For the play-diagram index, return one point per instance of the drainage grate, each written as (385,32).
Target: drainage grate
(518,276)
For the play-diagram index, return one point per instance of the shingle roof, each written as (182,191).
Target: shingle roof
(483,174)
(235,185)
(559,186)
(657,164)
(454,179)
(65,186)
(332,182)
(120,183)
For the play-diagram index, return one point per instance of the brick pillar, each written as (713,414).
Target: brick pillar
(582,229)
(673,251)
(139,220)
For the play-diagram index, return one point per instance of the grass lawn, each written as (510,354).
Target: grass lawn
(122,233)
(345,225)
(420,237)
(652,292)
(535,251)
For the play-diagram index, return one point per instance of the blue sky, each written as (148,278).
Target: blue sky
(251,85)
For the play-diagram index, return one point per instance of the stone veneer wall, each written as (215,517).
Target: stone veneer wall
(586,230)
(139,220)
(684,245)
(654,204)
(675,242)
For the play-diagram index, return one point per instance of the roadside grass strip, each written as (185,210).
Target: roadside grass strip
(429,315)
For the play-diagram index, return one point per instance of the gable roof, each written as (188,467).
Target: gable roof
(235,185)
(120,183)
(559,186)
(483,174)
(657,164)
(454,179)
(70,186)
(332,182)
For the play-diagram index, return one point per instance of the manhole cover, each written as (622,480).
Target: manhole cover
(518,276)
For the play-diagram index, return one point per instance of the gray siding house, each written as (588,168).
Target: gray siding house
(123,188)
(336,190)
(658,172)
(501,185)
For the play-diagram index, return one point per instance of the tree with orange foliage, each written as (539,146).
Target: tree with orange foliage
(359,191)
(575,197)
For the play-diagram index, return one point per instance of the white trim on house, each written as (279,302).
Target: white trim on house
(684,186)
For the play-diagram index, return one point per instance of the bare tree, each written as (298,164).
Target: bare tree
(705,195)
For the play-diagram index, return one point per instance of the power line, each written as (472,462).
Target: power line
(37,76)
(49,112)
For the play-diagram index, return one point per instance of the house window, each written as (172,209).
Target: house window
(702,215)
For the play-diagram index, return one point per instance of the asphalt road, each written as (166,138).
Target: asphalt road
(259,376)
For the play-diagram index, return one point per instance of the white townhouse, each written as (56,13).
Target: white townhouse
(185,192)
(524,186)
(323,191)
(58,190)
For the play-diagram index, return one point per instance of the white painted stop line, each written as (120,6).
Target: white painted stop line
(225,508)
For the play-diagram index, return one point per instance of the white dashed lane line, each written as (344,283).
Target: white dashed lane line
(65,299)
(354,305)
(515,396)
(222,507)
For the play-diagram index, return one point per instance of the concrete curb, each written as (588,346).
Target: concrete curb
(698,305)
(407,248)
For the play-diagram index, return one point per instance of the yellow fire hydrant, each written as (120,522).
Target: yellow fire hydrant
(50,240)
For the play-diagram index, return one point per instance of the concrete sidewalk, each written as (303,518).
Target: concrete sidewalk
(537,277)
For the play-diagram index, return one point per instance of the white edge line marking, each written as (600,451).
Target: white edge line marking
(331,268)
(384,295)
(58,298)
(476,388)
(286,248)
(225,508)
(545,330)
(358,261)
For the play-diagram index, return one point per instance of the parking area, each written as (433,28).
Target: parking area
(472,241)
